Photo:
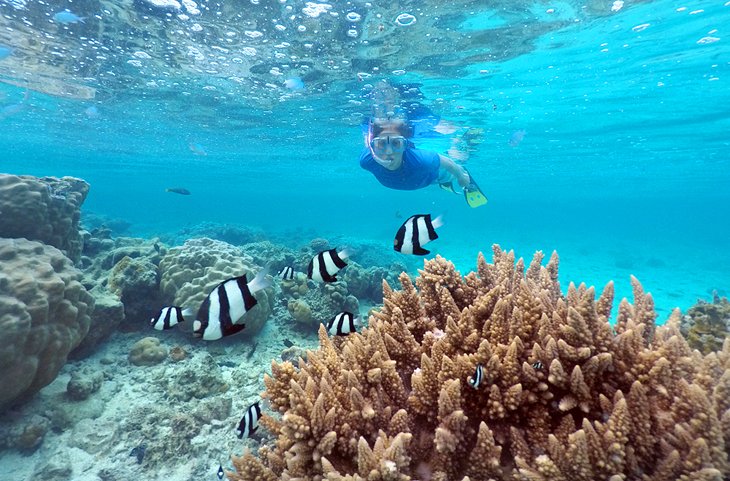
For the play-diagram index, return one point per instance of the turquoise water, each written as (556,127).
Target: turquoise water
(623,168)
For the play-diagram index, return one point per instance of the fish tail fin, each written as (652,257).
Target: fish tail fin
(187,312)
(438,221)
(261,281)
(346,252)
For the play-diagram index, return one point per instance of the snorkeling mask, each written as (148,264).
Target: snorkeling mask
(379,146)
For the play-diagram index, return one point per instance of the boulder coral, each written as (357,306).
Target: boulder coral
(707,324)
(44,314)
(43,209)
(188,273)
(565,395)
(147,352)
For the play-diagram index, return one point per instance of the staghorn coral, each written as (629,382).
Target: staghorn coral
(564,396)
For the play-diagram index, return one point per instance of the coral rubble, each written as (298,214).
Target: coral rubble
(564,396)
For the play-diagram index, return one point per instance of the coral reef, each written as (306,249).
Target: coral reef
(227,233)
(27,435)
(564,396)
(267,252)
(707,324)
(136,283)
(320,303)
(188,273)
(122,276)
(174,436)
(147,352)
(107,316)
(198,379)
(83,384)
(368,283)
(44,314)
(301,312)
(178,353)
(43,209)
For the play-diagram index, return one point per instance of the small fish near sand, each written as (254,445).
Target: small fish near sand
(66,17)
(288,343)
(252,351)
(220,472)
(223,308)
(415,232)
(324,266)
(342,324)
(169,317)
(178,190)
(139,453)
(249,422)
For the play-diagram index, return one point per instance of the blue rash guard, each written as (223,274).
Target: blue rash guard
(420,168)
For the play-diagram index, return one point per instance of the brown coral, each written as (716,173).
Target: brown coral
(45,209)
(564,396)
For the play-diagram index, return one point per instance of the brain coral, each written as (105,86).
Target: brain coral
(188,273)
(43,209)
(565,396)
(44,314)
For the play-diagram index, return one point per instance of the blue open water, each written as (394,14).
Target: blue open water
(623,168)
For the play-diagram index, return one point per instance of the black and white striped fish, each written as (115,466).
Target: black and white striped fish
(324,266)
(537,365)
(249,422)
(223,308)
(416,231)
(476,379)
(286,273)
(342,324)
(168,317)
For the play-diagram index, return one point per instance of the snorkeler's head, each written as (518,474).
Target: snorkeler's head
(387,140)
(391,125)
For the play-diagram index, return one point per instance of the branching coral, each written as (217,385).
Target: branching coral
(564,396)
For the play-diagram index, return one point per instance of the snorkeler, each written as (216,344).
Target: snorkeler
(397,118)
(397,164)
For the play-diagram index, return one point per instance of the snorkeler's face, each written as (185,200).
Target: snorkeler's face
(388,147)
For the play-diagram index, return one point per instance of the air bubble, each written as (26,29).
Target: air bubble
(353,17)
(405,20)
(352,33)
(302,28)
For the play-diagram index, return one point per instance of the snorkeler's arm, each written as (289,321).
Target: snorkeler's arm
(459,173)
